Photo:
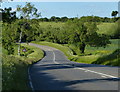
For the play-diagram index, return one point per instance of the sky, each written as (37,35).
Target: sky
(70,9)
(64,0)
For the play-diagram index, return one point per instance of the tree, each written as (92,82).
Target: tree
(64,19)
(7,15)
(8,38)
(26,12)
(53,18)
(114,13)
(84,33)
(7,29)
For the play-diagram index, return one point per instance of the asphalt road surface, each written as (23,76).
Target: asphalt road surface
(56,72)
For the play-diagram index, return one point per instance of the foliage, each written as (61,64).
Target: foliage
(79,33)
(111,59)
(85,34)
(28,11)
(12,75)
(7,15)
(114,13)
(83,18)
(15,69)
(20,26)
(8,38)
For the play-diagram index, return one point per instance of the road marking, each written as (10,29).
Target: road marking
(54,58)
(31,85)
(86,70)
(97,73)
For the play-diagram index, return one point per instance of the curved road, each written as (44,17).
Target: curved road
(56,72)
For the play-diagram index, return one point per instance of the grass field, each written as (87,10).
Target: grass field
(52,24)
(15,68)
(103,28)
(107,28)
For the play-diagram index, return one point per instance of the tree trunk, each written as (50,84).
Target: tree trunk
(82,47)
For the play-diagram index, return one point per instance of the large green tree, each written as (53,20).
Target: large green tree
(26,12)
(84,33)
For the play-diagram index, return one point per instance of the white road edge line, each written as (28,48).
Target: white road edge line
(97,72)
(31,85)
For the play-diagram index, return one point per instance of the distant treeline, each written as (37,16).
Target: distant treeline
(9,16)
(83,18)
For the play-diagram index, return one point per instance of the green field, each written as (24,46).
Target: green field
(107,28)
(52,24)
(103,28)
(15,68)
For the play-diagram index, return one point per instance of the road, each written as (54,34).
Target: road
(56,72)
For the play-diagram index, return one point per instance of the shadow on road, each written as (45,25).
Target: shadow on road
(48,81)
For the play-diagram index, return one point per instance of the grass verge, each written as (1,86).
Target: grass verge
(15,69)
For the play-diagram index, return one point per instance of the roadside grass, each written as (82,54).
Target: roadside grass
(32,54)
(15,69)
(111,59)
(14,74)
(105,56)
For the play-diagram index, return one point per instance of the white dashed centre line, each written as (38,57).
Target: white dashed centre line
(54,58)
(86,70)
(102,74)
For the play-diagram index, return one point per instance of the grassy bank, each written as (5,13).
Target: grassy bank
(15,68)
(93,55)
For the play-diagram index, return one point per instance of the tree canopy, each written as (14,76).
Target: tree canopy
(114,13)
(7,15)
(28,11)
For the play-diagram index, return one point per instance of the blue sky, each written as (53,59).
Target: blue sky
(70,9)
